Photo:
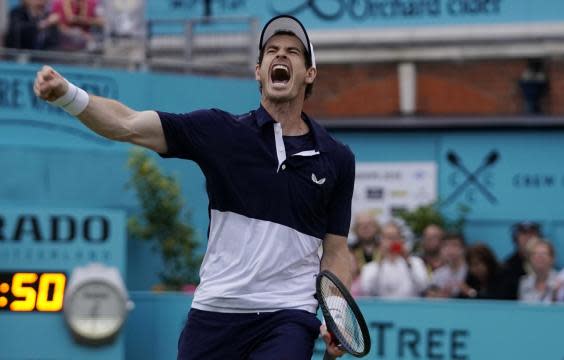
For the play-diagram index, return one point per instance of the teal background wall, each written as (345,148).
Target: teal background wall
(525,182)
(457,330)
(51,160)
(48,161)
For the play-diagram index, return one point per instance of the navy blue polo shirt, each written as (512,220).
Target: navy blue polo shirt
(269,209)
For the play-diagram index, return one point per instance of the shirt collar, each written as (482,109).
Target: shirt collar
(323,141)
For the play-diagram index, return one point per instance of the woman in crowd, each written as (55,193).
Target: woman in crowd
(482,280)
(80,19)
(542,284)
(395,274)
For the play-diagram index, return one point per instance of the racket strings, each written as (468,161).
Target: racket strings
(343,316)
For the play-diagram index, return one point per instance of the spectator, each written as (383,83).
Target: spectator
(534,86)
(3,20)
(32,27)
(356,286)
(367,232)
(395,274)
(430,245)
(482,280)
(541,284)
(514,266)
(450,277)
(81,22)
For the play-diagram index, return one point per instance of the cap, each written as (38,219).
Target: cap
(291,24)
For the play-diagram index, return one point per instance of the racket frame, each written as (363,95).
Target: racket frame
(330,323)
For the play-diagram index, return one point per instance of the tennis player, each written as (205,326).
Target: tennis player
(279,188)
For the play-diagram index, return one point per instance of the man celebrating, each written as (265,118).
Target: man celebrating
(279,187)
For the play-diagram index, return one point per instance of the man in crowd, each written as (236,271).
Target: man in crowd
(367,232)
(449,277)
(514,266)
(32,27)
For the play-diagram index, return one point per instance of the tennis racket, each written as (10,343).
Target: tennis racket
(343,318)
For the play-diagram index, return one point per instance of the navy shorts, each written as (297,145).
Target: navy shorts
(279,335)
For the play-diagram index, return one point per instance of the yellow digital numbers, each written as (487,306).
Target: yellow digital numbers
(30,291)
(22,288)
(55,303)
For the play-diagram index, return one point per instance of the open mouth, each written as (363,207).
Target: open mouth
(280,74)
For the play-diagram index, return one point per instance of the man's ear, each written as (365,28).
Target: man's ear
(257,72)
(311,73)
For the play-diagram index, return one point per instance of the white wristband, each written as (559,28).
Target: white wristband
(74,101)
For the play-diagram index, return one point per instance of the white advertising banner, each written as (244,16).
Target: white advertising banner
(385,188)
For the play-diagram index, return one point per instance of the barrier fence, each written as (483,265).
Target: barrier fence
(417,329)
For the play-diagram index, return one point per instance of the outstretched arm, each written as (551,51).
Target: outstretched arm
(108,118)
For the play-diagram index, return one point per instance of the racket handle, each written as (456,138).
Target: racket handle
(328,357)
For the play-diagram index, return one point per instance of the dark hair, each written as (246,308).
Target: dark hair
(307,58)
(525,226)
(454,236)
(483,253)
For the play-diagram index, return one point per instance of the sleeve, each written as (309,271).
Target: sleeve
(420,277)
(559,296)
(437,277)
(522,291)
(193,135)
(339,211)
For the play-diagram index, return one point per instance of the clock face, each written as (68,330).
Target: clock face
(95,311)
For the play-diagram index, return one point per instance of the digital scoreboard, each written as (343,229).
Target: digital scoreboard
(40,250)
(27,291)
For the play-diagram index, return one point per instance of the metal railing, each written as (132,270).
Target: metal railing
(210,45)
(194,45)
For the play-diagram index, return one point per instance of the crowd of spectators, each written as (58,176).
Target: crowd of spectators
(54,25)
(444,265)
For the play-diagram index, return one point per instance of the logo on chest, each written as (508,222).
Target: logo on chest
(315,180)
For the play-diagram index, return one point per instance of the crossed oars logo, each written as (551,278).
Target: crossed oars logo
(471,177)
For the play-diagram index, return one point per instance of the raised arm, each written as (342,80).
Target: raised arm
(108,118)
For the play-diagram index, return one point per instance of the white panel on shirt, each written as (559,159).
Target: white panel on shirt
(255,265)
